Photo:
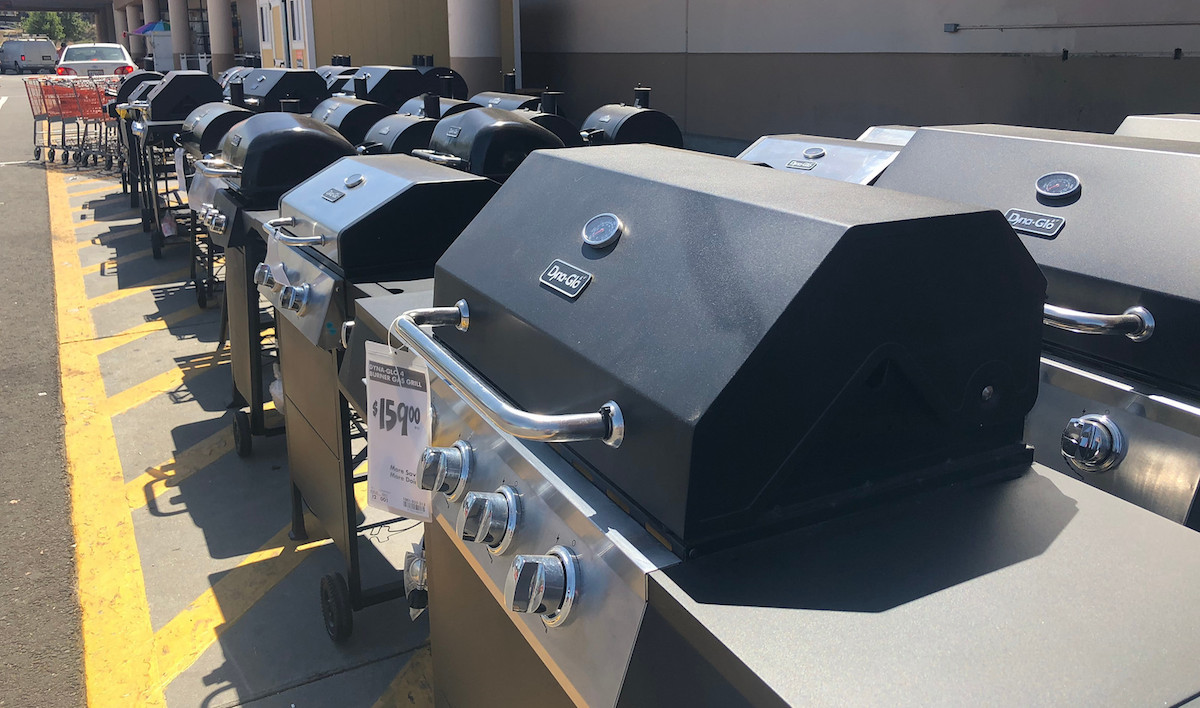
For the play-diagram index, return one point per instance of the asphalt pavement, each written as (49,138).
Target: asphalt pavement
(40,647)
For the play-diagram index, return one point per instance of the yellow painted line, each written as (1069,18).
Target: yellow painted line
(165,382)
(190,633)
(115,617)
(108,188)
(91,180)
(119,261)
(176,277)
(413,686)
(157,480)
(106,344)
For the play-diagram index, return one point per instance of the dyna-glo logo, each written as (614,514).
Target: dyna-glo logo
(1034,224)
(565,278)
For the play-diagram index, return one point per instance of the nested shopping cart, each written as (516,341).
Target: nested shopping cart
(70,116)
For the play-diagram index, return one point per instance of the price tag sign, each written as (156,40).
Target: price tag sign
(397,431)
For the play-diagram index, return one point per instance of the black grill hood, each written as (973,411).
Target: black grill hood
(399,134)
(507,101)
(435,83)
(205,127)
(350,116)
(277,151)
(180,93)
(487,142)
(619,124)
(779,347)
(447,106)
(1127,239)
(132,81)
(389,85)
(563,129)
(336,76)
(265,88)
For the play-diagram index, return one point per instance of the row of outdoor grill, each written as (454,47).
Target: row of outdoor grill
(718,432)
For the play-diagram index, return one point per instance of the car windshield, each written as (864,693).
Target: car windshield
(93,54)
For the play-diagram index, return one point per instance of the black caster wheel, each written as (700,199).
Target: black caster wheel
(37,153)
(78,158)
(108,163)
(335,607)
(243,441)
(156,244)
(50,155)
(66,157)
(202,295)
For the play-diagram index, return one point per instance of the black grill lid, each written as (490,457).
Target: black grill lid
(506,101)
(434,82)
(563,129)
(389,85)
(776,345)
(277,151)
(396,221)
(350,116)
(399,134)
(449,106)
(1126,239)
(181,92)
(132,81)
(1172,126)
(141,92)
(833,158)
(621,124)
(204,127)
(487,141)
(265,88)
(335,76)
(233,73)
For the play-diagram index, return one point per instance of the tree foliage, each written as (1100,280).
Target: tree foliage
(47,23)
(76,27)
(59,26)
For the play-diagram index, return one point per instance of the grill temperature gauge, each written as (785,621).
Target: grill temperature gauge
(602,230)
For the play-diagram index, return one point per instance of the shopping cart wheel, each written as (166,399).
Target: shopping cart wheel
(37,153)
(335,607)
(243,441)
(66,157)
(79,158)
(50,155)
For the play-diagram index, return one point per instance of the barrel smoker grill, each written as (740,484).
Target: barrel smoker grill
(265,90)
(261,158)
(605,369)
(1108,218)
(621,124)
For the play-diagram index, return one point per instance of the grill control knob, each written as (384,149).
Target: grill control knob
(295,297)
(489,518)
(543,585)
(1093,443)
(218,224)
(263,276)
(446,469)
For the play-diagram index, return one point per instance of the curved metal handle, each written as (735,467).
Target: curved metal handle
(1136,323)
(607,424)
(284,237)
(439,158)
(216,168)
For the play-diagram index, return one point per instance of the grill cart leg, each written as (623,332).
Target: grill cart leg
(298,532)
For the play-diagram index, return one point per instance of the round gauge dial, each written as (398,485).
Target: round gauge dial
(1058,185)
(602,230)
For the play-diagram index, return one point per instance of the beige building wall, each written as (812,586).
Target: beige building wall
(742,68)
(380,31)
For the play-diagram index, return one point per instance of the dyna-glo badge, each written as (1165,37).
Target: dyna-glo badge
(565,278)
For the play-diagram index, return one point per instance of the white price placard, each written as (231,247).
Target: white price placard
(398,409)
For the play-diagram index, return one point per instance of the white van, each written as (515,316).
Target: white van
(28,54)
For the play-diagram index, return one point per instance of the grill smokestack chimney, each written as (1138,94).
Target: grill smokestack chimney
(641,96)
(360,87)
(237,94)
(510,82)
(446,81)
(550,101)
(433,105)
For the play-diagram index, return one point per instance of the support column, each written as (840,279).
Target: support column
(104,28)
(120,23)
(150,11)
(137,46)
(475,42)
(248,14)
(181,31)
(220,34)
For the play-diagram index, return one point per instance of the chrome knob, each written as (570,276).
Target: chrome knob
(416,588)
(263,276)
(543,585)
(489,518)
(295,297)
(218,224)
(446,469)
(1093,443)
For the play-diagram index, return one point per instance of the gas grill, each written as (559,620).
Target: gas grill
(119,108)
(898,135)
(833,158)
(399,134)
(261,158)
(351,117)
(1107,218)
(621,124)
(389,85)
(617,523)
(266,88)
(1174,126)
(205,127)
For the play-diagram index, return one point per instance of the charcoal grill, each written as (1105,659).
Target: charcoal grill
(617,123)
(265,89)
(389,85)
(654,390)
(832,158)
(351,117)
(336,75)
(119,108)
(486,141)
(1105,217)
(261,158)
(399,134)
(1171,126)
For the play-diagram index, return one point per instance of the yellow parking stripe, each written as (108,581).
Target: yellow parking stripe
(158,480)
(91,181)
(106,189)
(190,633)
(165,382)
(115,620)
(136,332)
(159,281)
(119,261)
(411,686)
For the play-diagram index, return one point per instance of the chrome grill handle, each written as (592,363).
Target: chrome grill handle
(216,168)
(607,424)
(1136,323)
(286,238)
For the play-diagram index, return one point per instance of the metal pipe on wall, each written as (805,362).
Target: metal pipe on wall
(181,31)
(220,34)
(474,29)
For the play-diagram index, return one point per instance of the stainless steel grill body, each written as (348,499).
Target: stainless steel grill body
(1170,126)
(832,158)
